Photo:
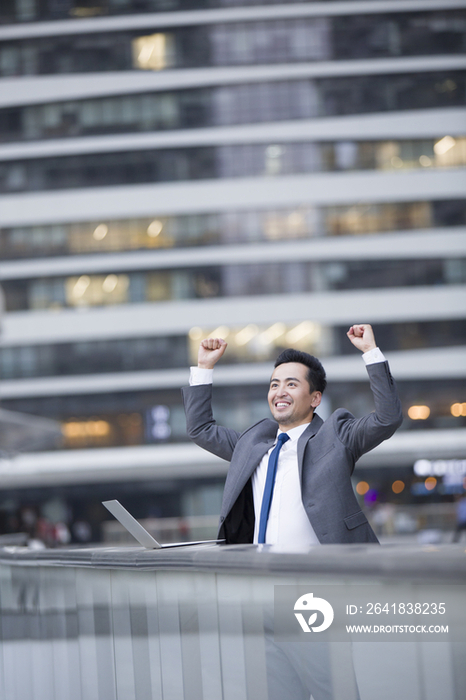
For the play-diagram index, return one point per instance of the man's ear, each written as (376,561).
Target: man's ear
(316,398)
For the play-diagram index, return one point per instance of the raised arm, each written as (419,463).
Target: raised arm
(197,400)
(363,434)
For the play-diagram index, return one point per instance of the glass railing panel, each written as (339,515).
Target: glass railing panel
(204,623)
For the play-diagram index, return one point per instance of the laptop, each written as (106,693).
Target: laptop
(140,533)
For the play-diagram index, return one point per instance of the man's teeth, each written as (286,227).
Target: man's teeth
(282,403)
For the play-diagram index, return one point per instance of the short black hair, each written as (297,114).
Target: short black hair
(316,374)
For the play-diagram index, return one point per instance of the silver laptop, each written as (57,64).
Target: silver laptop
(140,533)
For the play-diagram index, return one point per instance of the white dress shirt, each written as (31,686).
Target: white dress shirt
(282,529)
(288,524)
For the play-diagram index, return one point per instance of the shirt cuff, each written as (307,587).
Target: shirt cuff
(373,356)
(200,375)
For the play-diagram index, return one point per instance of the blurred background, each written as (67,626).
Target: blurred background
(262,171)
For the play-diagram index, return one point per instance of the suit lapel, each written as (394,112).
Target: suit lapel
(246,469)
(309,433)
(252,462)
(249,464)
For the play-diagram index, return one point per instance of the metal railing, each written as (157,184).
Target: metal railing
(197,623)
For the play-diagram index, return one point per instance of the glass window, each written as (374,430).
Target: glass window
(101,420)
(153,52)
(243,160)
(8,363)
(97,290)
(89,113)
(158,286)
(271,42)
(234,43)
(228,228)
(369,218)
(235,104)
(256,344)
(10,63)
(228,281)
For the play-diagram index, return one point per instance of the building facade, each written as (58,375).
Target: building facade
(269,173)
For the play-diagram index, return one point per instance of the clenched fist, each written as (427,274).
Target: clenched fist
(362,337)
(210,351)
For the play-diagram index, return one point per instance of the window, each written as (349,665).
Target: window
(153,52)
(97,290)
(228,227)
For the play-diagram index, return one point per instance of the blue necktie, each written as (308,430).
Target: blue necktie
(269,483)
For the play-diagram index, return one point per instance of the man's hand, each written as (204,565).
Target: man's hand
(210,351)
(362,337)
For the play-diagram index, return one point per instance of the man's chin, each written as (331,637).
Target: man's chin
(282,418)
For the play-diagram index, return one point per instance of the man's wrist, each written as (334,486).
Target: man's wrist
(372,356)
(200,375)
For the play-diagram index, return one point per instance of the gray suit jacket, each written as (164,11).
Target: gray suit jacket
(327,453)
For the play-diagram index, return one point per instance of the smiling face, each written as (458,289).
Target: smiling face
(291,400)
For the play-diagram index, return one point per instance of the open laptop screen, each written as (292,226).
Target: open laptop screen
(140,533)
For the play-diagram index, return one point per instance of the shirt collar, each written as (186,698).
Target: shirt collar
(294,433)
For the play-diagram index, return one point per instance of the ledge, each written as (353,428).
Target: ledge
(432,564)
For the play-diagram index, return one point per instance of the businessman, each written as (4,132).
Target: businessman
(289,483)
(289,478)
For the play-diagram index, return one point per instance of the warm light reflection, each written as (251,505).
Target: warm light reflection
(150,52)
(262,342)
(246,334)
(109,284)
(396,162)
(221,332)
(398,486)
(100,232)
(444,145)
(425,161)
(300,331)
(296,220)
(97,289)
(82,429)
(419,412)
(430,483)
(195,333)
(133,420)
(155,228)
(273,333)
(458,409)
(80,287)
(362,488)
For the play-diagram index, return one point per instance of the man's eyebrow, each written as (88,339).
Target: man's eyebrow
(294,379)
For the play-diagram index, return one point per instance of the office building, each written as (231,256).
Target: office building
(267,172)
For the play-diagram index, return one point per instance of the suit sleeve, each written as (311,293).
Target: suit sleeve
(360,435)
(200,423)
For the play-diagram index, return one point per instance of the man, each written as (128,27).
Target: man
(289,483)
(306,497)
